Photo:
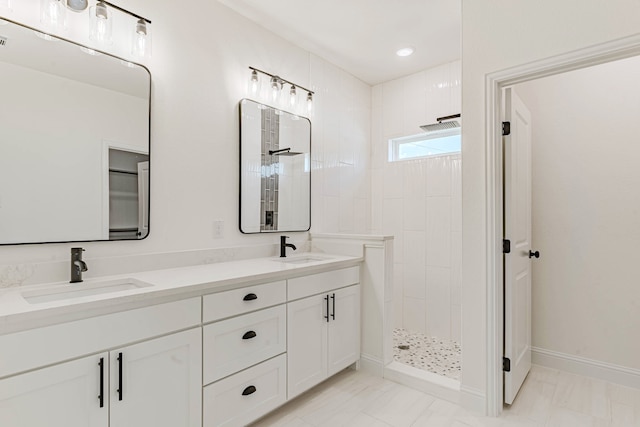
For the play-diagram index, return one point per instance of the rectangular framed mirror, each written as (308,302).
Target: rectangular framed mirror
(275,170)
(74,142)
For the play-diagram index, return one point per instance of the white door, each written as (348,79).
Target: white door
(306,343)
(143,199)
(64,395)
(517,229)
(344,329)
(158,383)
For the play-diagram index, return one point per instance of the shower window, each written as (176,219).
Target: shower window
(425,145)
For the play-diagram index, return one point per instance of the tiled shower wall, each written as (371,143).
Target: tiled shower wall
(420,202)
(269,181)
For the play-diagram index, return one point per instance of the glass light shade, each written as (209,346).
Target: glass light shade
(101,20)
(141,39)
(53,14)
(309,102)
(254,83)
(5,5)
(293,96)
(276,86)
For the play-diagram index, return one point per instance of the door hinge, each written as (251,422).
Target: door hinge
(506,128)
(506,364)
(506,246)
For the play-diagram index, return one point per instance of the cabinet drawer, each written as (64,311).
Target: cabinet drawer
(247,395)
(305,286)
(243,300)
(34,348)
(237,343)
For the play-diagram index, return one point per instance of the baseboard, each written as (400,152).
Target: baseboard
(588,367)
(371,365)
(473,400)
(427,382)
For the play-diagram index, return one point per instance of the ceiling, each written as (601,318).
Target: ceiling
(362,36)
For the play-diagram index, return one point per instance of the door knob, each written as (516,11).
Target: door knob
(534,254)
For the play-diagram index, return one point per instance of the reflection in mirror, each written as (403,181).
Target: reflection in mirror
(275,170)
(74,142)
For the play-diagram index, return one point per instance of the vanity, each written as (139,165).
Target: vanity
(211,345)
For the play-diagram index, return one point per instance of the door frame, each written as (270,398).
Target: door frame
(494,84)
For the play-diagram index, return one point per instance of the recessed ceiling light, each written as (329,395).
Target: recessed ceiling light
(405,51)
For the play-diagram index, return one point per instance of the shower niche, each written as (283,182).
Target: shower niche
(275,169)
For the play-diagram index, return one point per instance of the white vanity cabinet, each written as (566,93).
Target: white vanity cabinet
(155,382)
(244,354)
(323,330)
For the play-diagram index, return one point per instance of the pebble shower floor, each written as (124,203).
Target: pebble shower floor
(431,354)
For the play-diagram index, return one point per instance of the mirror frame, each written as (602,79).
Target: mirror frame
(240,169)
(148,136)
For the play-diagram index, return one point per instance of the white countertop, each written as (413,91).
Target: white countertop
(16,314)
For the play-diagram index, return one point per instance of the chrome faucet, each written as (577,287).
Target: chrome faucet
(78,266)
(284,245)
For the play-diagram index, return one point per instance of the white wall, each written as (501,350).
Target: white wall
(419,202)
(199,74)
(585,211)
(497,35)
(51,179)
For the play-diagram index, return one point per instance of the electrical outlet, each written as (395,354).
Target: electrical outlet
(218,229)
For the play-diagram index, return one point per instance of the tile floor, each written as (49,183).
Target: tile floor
(549,398)
(431,354)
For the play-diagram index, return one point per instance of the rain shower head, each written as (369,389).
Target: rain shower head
(283,152)
(442,125)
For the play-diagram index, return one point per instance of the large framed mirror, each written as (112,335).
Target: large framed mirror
(74,142)
(275,170)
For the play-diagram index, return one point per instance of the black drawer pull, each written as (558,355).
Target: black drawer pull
(326,298)
(333,299)
(101,395)
(249,390)
(120,362)
(249,335)
(250,297)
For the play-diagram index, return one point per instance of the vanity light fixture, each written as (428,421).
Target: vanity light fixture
(276,83)
(53,15)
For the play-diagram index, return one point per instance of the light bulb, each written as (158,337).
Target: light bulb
(141,42)
(293,96)
(53,14)
(100,23)
(254,83)
(309,102)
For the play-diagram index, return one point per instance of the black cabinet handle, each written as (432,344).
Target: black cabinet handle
(101,395)
(120,360)
(534,254)
(333,314)
(250,297)
(327,300)
(249,335)
(249,390)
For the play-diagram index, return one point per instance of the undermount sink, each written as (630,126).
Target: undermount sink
(303,259)
(71,291)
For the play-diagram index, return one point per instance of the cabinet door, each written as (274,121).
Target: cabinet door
(64,395)
(158,382)
(306,343)
(344,328)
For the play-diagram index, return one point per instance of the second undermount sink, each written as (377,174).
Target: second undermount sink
(71,291)
(302,259)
